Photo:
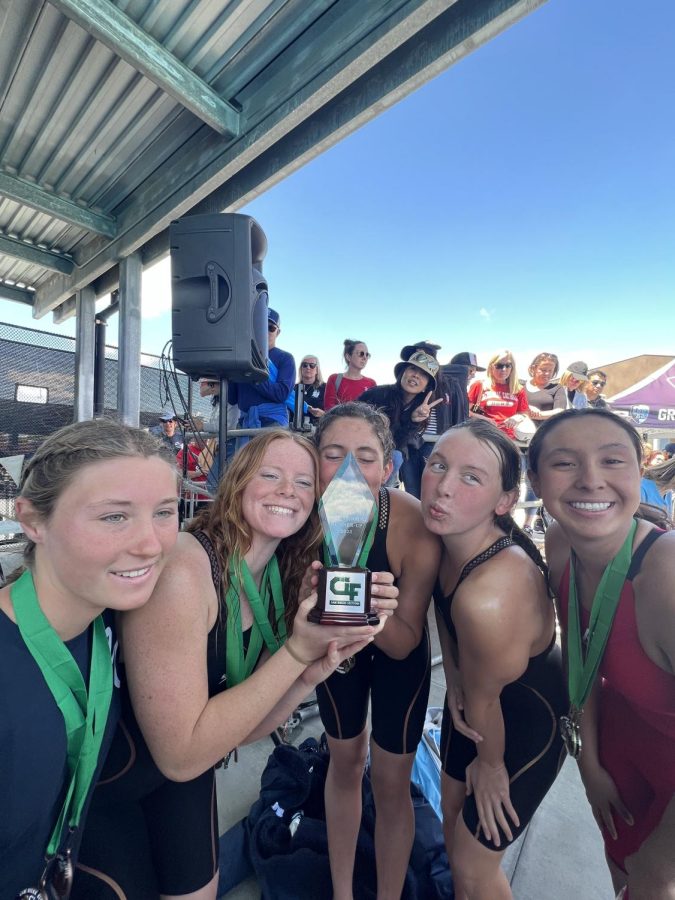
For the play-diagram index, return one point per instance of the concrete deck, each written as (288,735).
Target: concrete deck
(560,855)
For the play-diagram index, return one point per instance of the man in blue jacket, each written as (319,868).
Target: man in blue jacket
(263,404)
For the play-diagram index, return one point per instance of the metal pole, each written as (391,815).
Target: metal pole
(85,306)
(129,354)
(99,362)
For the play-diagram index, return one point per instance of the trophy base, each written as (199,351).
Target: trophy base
(346,591)
(321,617)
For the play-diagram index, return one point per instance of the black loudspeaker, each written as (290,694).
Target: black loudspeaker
(219,296)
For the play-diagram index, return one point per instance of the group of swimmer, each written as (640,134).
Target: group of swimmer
(134,658)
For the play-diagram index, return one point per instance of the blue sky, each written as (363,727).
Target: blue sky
(524,199)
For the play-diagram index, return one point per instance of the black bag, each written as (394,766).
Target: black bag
(287,840)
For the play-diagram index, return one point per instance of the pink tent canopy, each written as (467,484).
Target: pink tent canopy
(650,402)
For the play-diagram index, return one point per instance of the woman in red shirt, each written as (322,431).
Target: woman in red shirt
(349,386)
(500,396)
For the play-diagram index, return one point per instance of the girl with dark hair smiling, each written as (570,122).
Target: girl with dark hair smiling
(614,575)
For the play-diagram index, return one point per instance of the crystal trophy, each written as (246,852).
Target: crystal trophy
(347,511)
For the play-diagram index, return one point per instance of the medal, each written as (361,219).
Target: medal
(584,653)
(570,731)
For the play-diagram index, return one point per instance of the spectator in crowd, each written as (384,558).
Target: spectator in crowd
(545,396)
(208,460)
(343,387)
(408,403)
(574,380)
(263,404)
(469,360)
(313,388)
(451,387)
(597,380)
(669,450)
(499,396)
(167,432)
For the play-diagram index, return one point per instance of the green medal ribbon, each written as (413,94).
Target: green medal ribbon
(583,668)
(85,711)
(238,666)
(365,550)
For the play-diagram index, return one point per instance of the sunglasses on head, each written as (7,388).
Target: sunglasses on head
(503,365)
(308,365)
(599,384)
(56,881)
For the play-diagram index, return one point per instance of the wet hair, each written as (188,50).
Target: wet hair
(230,534)
(59,459)
(318,377)
(549,425)
(544,357)
(349,347)
(377,420)
(508,457)
(513,377)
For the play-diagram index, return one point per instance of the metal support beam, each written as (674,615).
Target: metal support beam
(126,39)
(32,254)
(85,302)
(8,292)
(29,194)
(129,341)
(207,176)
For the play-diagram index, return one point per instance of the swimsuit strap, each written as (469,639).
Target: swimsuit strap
(216,574)
(383,505)
(641,552)
(501,544)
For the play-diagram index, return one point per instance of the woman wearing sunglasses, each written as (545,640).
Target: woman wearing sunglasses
(313,386)
(500,396)
(349,385)
(223,655)
(98,505)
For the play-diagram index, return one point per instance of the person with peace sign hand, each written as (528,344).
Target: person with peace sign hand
(408,403)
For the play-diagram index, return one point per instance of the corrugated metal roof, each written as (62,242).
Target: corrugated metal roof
(117,117)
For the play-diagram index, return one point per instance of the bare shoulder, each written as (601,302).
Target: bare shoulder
(406,517)
(185,587)
(654,588)
(407,535)
(500,594)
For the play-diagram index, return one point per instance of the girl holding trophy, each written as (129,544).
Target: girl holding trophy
(393,672)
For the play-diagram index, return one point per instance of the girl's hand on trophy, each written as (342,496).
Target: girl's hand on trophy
(310,579)
(383,594)
(322,668)
(311,641)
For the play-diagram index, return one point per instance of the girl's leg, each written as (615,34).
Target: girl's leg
(208,892)
(453,793)
(343,809)
(394,818)
(476,869)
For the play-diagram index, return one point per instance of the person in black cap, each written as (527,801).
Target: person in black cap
(167,432)
(263,404)
(467,359)
(409,403)
(669,451)
(574,379)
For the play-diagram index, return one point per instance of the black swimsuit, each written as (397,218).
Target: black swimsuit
(147,835)
(531,707)
(398,688)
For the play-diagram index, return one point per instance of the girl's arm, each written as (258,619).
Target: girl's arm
(165,648)
(414,555)
(453,681)
(494,645)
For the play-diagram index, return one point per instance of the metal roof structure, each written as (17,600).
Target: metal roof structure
(117,117)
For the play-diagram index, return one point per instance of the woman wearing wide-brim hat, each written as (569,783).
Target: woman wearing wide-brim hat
(408,404)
